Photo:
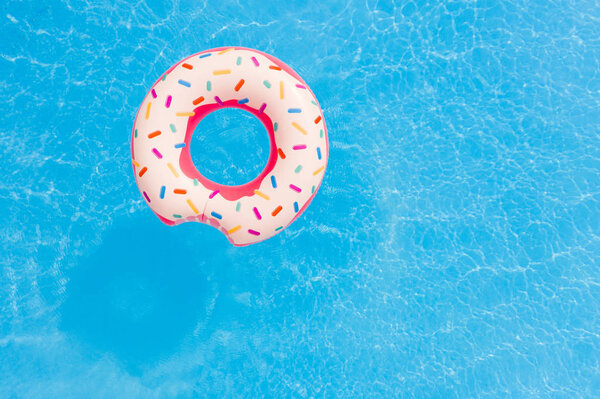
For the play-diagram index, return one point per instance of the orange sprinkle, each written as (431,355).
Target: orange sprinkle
(148,110)
(281,154)
(144,169)
(281,90)
(154,134)
(137,165)
(239,85)
(191,204)
(173,170)
(318,119)
(187,66)
(316,172)
(297,126)
(226,50)
(180,191)
(222,72)
(184,114)
(236,228)
(276,210)
(275,68)
(198,100)
(261,194)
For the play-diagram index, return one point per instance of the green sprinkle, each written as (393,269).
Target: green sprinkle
(321,133)
(208,85)
(176,216)
(163,78)
(172,126)
(313,189)
(279,228)
(135,133)
(238,206)
(298,169)
(239,61)
(267,84)
(195,182)
(313,101)
(275,126)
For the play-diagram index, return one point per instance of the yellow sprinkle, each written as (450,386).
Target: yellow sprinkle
(224,51)
(148,110)
(297,126)
(281,90)
(236,228)
(137,165)
(222,72)
(316,172)
(184,114)
(191,204)
(173,169)
(265,196)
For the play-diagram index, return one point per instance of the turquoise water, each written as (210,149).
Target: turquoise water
(452,251)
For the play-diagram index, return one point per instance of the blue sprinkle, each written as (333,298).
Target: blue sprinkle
(243,101)
(319,152)
(295,207)
(294,110)
(273,182)
(162,192)
(204,55)
(179,145)
(216,215)
(184,83)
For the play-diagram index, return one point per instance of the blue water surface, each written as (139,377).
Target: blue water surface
(451,252)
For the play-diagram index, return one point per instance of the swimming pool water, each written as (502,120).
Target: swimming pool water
(452,251)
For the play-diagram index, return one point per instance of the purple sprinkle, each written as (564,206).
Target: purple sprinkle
(295,188)
(168,102)
(158,154)
(299,147)
(212,195)
(257,213)
(255,61)
(262,108)
(253,232)
(147,198)
(153,93)
(217,99)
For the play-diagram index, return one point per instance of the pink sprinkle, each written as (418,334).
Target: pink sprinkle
(168,103)
(255,61)
(301,87)
(158,154)
(217,99)
(253,232)
(153,93)
(295,188)
(212,195)
(299,147)
(146,195)
(257,213)
(262,108)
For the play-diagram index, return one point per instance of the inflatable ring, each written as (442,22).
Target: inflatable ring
(241,78)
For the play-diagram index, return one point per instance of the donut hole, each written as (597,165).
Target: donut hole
(230,147)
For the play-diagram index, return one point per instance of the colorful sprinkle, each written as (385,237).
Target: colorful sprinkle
(173,170)
(300,129)
(153,94)
(312,190)
(313,101)
(243,101)
(262,195)
(191,204)
(179,191)
(208,85)
(216,215)
(298,169)
(301,86)
(239,85)
(137,165)
(222,72)
(226,50)
(164,76)
(275,126)
(157,153)
(281,90)
(273,182)
(262,108)
(196,182)
(184,83)
(187,66)
(281,153)
(319,152)
(276,68)
(147,198)
(239,61)
(295,207)
(177,216)
(212,195)
(321,133)
(318,119)
(255,61)
(204,55)
(184,113)
(135,133)
(257,213)
(148,110)
(163,189)
(253,232)
(154,134)
(294,111)
(238,206)
(299,147)
(180,145)
(236,228)
(168,102)
(267,84)
(218,100)
(172,126)
(142,171)
(316,172)
(276,210)
(295,188)
(279,228)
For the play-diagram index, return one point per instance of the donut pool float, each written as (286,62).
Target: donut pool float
(230,77)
